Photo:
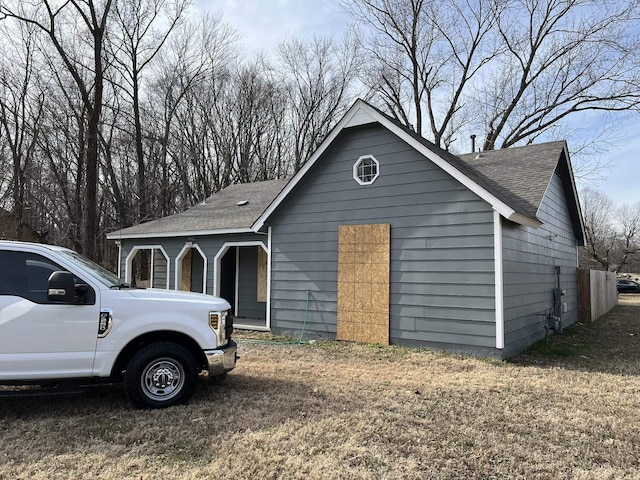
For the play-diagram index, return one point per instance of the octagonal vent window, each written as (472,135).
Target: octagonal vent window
(366,170)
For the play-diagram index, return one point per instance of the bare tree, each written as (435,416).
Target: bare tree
(193,61)
(629,240)
(116,148)
(515,69)
(21,109)
(142,28)
(62,149)
(61,23)
(246,127)
(423,55)
(613,233)
(318,76)
(597,211)
(562,57)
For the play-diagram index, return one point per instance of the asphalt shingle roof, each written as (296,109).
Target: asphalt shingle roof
(218,212)
(519,175)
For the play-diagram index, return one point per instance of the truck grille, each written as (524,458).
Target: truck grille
(228,329)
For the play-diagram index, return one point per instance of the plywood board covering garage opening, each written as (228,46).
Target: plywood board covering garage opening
(363,283)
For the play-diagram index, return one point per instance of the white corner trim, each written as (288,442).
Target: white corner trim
(268,279)
(236,298)
(499,279)
(119,260)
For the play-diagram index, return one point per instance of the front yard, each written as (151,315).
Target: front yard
(569,409)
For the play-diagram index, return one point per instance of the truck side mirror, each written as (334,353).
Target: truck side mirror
(61,288)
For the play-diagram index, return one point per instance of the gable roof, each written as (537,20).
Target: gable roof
(222,212)
(513,183)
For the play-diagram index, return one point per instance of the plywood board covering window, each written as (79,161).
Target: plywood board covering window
(262,275)
(363,283)
(186,272)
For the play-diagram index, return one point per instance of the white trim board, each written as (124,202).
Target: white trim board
(217,277)
(183,233)
(178,266)
(499,279)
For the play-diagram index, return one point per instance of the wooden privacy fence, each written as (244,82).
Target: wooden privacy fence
(597,294)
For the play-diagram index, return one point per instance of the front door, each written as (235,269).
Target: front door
(40,339)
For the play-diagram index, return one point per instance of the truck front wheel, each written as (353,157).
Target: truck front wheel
(160,375)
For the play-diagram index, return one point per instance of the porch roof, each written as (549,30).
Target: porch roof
(231,210)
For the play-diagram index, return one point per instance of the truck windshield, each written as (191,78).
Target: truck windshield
(108,278)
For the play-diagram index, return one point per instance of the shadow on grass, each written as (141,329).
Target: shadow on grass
(103,416)
(611,344)
(239,391)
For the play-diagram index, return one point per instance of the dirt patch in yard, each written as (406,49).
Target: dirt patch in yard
(566,409)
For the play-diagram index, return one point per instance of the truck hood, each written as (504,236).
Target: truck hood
(159,295)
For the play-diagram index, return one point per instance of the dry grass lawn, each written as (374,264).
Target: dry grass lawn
(567,409)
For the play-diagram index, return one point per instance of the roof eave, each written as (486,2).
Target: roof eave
(497,204)
(185,233)
(523,220)
(581,241)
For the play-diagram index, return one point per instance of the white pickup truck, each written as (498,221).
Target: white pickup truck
(67,320)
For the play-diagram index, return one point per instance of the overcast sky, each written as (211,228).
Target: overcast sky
(263,23)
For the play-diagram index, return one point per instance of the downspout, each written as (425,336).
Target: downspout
(499,279)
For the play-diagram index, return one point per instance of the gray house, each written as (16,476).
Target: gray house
(384,237)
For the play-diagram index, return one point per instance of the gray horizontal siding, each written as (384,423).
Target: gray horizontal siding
(160,268)
(529,275)
(442,265)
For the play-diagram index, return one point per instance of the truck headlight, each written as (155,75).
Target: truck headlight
(214,320)
(217,319)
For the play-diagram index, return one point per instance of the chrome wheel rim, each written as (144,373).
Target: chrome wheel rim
(162,379)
